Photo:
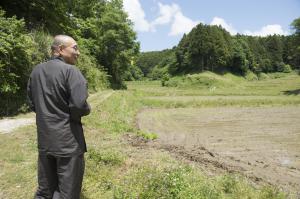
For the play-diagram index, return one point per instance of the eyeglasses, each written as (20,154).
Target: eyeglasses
(75,47)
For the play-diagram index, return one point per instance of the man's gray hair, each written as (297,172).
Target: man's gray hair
(60,40)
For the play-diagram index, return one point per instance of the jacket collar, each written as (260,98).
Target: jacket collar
(57,57)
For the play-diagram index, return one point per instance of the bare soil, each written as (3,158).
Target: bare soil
(260,143)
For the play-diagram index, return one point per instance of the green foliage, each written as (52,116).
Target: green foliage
(133,73)
(206,80)
(104,33)
(104,26)
(107,157)
(296,26)
(211,48)
(147,136)
(52,15)
(94,74)
(109,36)
(21,51)
(262,76)
(250,76)
(204,48)
(15,62)
(285,68)
(15,59)
(153,182)
(271,192)
(158,73)
(42,42)
(242,58)
(228,183)
(164,68)
(164,79)
(147,61)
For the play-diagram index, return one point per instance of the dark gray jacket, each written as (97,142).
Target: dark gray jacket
(57,93)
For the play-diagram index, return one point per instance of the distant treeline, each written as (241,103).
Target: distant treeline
(102,29)
(211,48)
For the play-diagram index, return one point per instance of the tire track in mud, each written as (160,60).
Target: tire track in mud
(211,163)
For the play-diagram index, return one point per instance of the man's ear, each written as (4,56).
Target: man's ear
(60,48)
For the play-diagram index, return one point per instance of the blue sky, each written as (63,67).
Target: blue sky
(160,24)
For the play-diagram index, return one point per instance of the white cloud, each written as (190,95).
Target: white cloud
(171,14)
(224,24)
(166,14)
(268,30)
(182,24)
(137,15)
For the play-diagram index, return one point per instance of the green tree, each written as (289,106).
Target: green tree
(296,26)
(274,48)
(108,33)
(148,60)
(295,54)
(102,25)
(52,15)
(204,48)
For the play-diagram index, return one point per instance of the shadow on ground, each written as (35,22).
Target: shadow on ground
(292,92)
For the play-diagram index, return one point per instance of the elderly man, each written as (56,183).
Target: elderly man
(57,93)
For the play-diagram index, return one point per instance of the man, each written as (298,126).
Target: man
(57,93)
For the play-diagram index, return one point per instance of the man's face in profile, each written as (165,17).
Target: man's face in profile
(69,52)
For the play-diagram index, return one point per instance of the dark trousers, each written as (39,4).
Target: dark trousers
(59,177)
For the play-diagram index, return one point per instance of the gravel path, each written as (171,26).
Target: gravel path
(9,125)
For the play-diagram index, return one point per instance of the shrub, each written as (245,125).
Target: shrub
(94,74)
(285,68)
(16,62)
(250,76)
(147,136)
(165,78)
(158,73)
(42,46)
(262,76)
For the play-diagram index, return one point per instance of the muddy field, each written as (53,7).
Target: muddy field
(261,143)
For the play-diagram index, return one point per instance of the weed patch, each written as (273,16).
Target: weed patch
(147,136)
(107,157)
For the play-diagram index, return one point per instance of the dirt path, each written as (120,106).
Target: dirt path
(8,125)
(261,143)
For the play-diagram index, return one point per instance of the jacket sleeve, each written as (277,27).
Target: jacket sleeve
(78,93)
(29,95)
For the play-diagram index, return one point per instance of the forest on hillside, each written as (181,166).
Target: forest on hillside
(212,48)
